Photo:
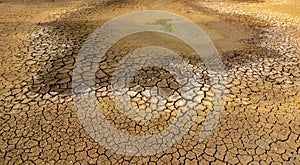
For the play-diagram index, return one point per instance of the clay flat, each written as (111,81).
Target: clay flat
(258,43)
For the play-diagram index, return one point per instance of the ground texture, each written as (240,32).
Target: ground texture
(259,45)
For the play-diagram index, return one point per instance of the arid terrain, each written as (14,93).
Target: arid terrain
(258,42)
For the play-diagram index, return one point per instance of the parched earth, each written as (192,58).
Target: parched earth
(258,42)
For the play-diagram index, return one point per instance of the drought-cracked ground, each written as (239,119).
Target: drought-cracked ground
(258,42)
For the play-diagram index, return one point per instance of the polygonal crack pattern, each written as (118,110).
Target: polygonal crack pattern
(260,123)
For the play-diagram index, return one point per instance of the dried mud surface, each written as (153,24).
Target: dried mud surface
(259,46)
